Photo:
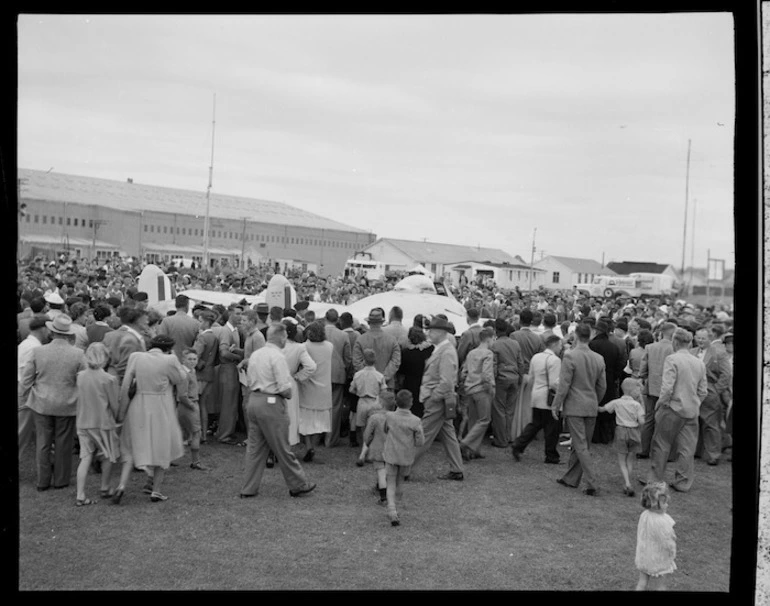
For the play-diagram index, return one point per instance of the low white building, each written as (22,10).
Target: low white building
(505,275)
(566,272)
(433,256)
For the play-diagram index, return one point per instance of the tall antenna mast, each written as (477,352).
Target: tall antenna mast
(532,260)
(208,190)
(686,200)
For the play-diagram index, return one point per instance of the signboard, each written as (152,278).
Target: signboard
(716,270)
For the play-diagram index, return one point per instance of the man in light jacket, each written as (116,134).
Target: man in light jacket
(582,384)
(651,373)
(342,360)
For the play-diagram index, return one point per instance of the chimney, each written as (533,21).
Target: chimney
(130,180)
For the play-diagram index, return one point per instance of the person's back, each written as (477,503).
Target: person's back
(628,411)
(652,365)
(583,382)
(530,343)
(374,434)
(510,362)
(180,327)
(53,380)
(367,382)
(404,435)
(97,391)
(684,383)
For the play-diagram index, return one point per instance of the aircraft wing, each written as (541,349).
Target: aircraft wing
(214,297)
(413,304)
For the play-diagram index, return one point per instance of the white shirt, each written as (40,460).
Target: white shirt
(268,371)
(545,360)
(25,352)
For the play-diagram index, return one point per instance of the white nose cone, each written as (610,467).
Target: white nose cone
(280,293)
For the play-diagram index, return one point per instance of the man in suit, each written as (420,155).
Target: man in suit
(395,328)
(604,432)
(712,353)
(180,327)
(436,391)
(49,387)
(509,368)
(230,355)
(37,306)
(470,339)
(207,347)
(38,335)
(582,384)
(385,346)
(342,361)
(129,338)
(531,343)
(683,389)
(651,373)
(351,400)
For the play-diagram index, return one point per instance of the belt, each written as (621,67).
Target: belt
(264,393)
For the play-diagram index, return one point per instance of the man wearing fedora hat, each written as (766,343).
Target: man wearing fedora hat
(604,431)
(386,350)
(437,393)
(49,388)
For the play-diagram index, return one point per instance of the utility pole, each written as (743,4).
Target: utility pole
(208,191)
(692,242)
(708,277)
(686,199)
(243,246)
(532,260)
(97,224)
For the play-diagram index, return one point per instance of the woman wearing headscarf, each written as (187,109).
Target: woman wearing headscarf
(413,357)
(151,436)
(315,393)
(301,367)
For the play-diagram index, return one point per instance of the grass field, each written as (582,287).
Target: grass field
(508,526)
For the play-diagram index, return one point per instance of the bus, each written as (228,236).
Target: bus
(362,264)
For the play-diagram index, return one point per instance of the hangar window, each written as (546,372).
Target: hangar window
(145,227)
(69,221)
(45,219)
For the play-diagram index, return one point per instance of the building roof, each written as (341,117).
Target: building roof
(631,267)
(513,265)
(583,266)
(127,196)
(436,252)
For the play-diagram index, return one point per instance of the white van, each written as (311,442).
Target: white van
(364,264)
(633,285)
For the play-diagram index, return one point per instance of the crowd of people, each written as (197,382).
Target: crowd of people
(101,374)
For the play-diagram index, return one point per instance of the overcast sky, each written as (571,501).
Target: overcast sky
(466,129)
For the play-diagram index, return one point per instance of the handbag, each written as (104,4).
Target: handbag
(551,392)
(450,407)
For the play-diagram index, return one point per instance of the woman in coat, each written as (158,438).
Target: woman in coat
(413,358)
(301,367)
(151,436)
(315,393)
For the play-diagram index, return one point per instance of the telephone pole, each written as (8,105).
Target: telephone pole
(243,246)
(532,260)
(208,191)
(686,200)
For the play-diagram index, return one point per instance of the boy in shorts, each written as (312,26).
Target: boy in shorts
(374,442)
(188,411)
(629,417)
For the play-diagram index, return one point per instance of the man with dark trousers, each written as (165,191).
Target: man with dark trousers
(604,432)
(509,369)
(270,385)
(229,385)
(207,347)
(342,360)
(651,373)
(582,383)
(49,388)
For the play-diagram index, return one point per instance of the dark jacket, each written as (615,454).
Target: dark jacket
(613,362)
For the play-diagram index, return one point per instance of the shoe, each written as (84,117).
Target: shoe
(641,481)
(174,464)
(156,497)
(516,453)
(642,456)
(477,455)
(713,463)
(106,494)
(81,502)
(42,488)
(270,461)
(300,491)
(563,483)
(394,521)
(591,492)
(354,444)
(359,462)
(465,452)
(553,461)
(498,445)
(147,488)
(118,496)
(628,491)
(308,458)
(406,478)
(452,475)
(198,465)
(246,496)
(382,502)
(60,487)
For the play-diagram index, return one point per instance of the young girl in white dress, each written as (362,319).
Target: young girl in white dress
(655,539)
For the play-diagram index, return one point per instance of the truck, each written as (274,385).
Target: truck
(362,263)
(632,285)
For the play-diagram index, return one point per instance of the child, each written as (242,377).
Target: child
(386,401)
(97,406)
(404,436)
(629,417)
(188,411)
(367,385)
(374,441)
(655,538)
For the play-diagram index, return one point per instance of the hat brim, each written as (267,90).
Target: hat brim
(50,326)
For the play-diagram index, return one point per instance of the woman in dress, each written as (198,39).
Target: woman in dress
(413,357)
(315,393)
(301,366)
(151,436)
(95,421)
